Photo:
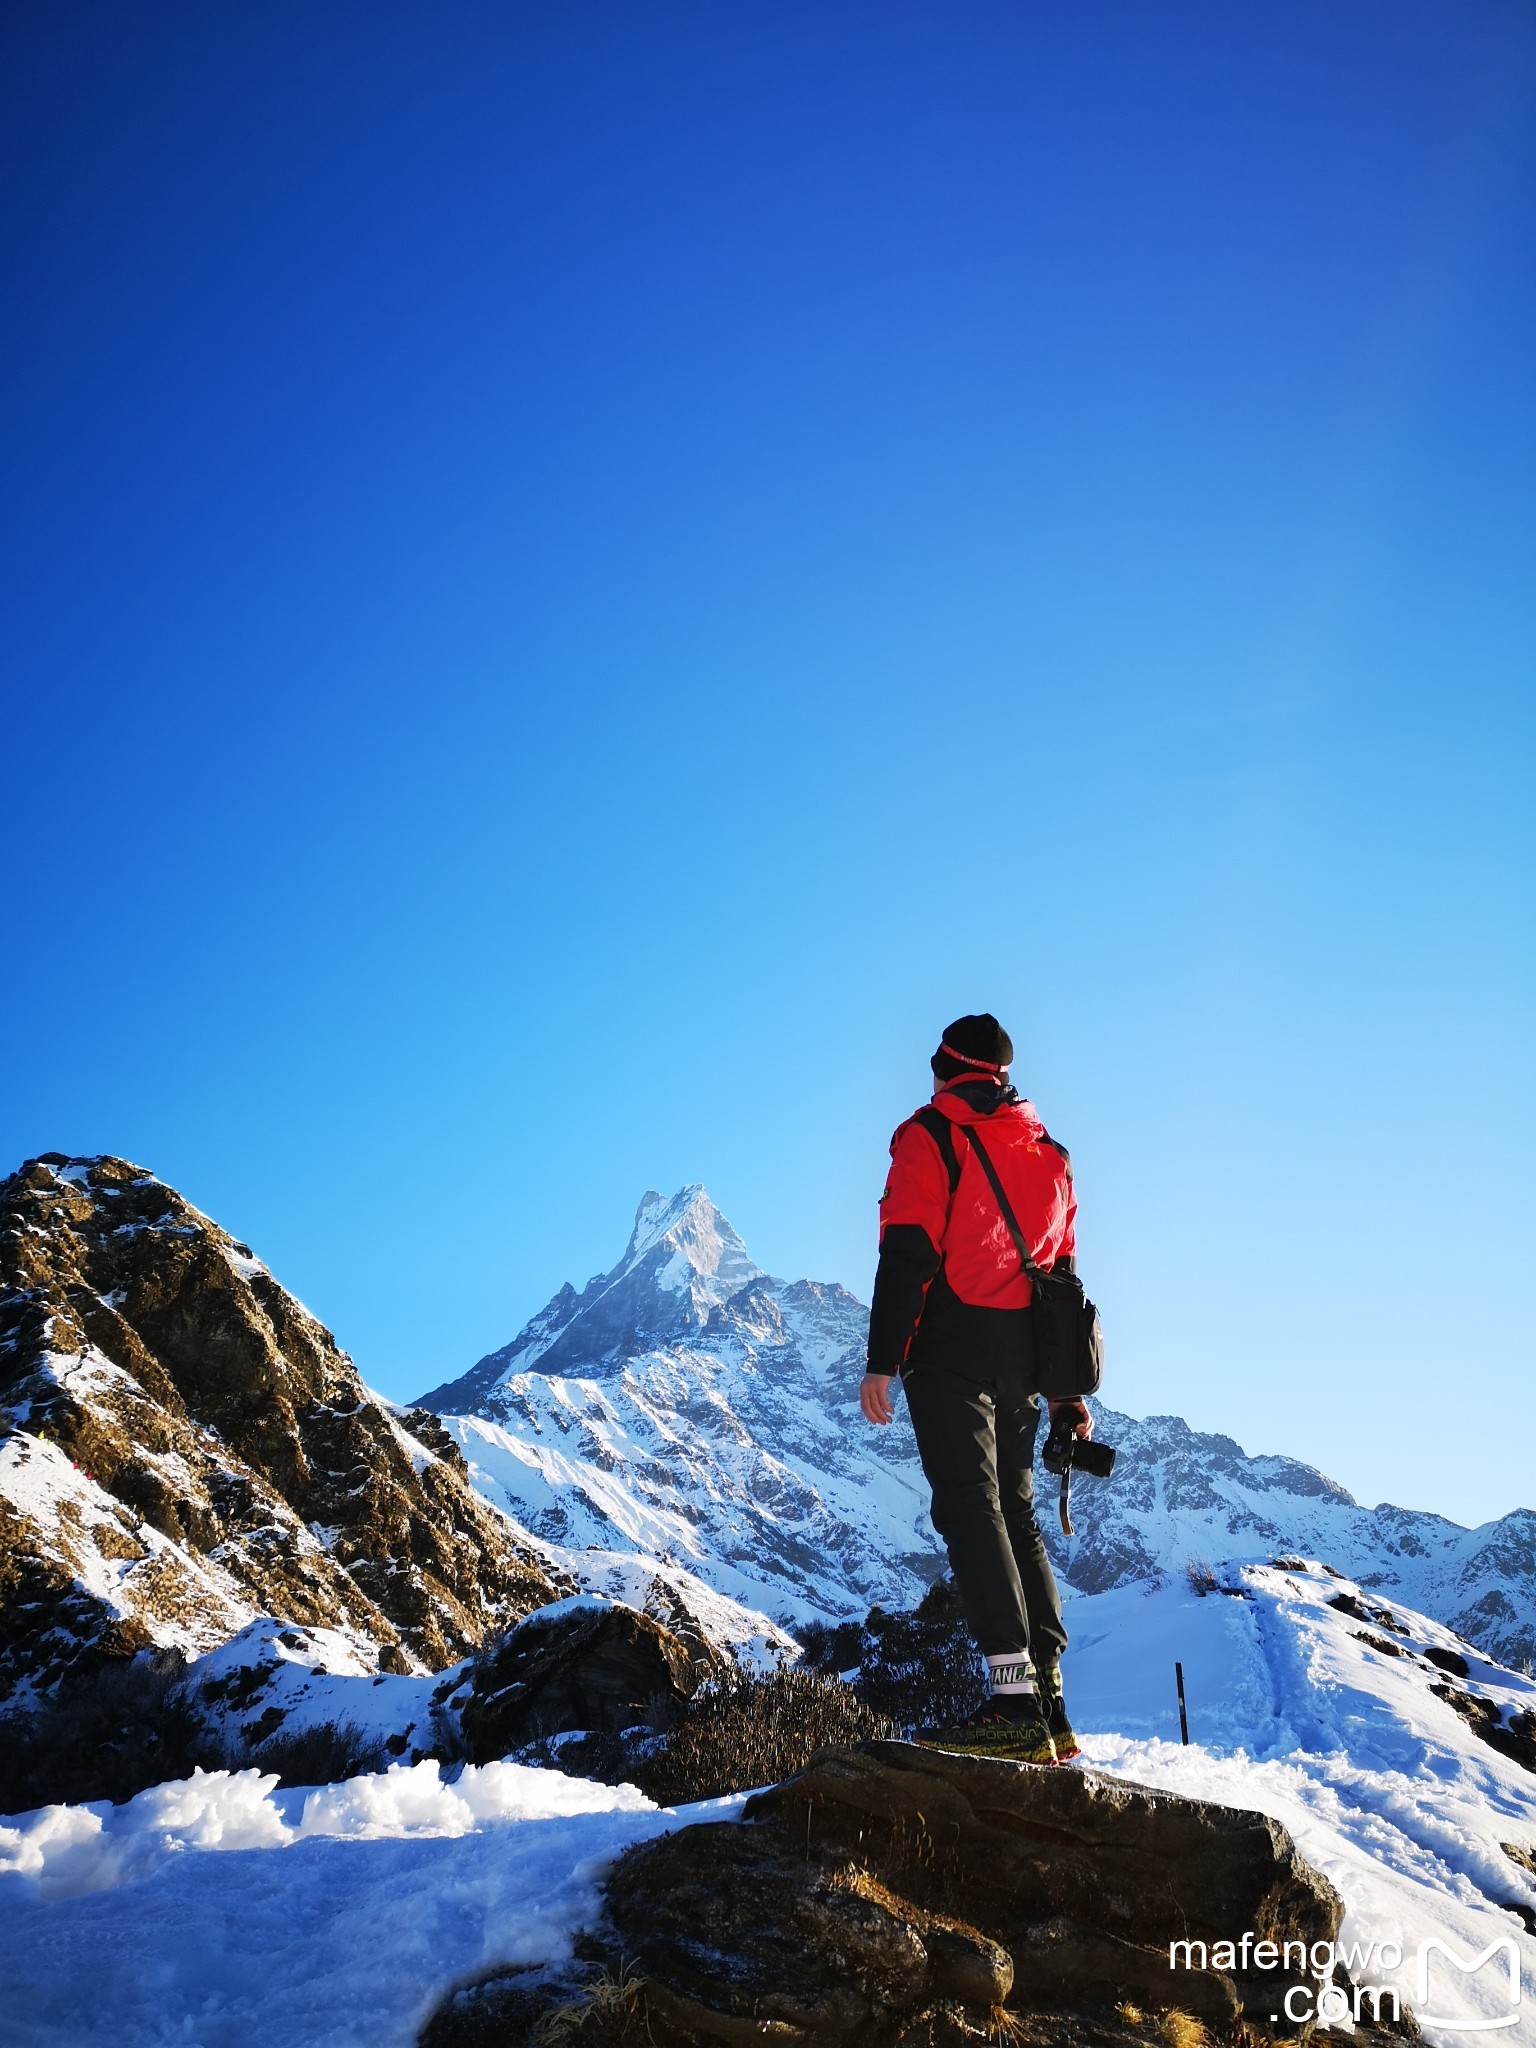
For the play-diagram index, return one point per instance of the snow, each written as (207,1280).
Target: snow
(738,1461)
(557,1610)
(221,1911)
(1385,1788)
(611,1538)
(314,1678)
(248,1267)
(702,1244)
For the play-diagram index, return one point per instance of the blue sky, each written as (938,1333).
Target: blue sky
(577,580)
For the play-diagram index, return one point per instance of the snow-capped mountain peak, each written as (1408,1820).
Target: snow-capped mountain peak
(682,1264)
(704,1255)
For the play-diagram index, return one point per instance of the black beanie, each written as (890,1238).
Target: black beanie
(978,1046)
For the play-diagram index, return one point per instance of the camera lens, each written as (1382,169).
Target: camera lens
(1099,1459)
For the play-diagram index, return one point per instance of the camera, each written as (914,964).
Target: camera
(1065,1453)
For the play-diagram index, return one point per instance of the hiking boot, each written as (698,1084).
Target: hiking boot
(1048,1677)
(1011,1726)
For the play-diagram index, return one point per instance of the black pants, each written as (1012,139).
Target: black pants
(976,1437)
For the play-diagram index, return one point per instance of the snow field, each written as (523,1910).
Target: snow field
(219,1910)
(1384,1787)
(63,1851)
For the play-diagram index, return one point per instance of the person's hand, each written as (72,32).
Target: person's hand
(1082,1421)
(875,1396)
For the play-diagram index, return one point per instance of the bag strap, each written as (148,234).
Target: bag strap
(1020,1242)
(1021,1246)
(942,1132)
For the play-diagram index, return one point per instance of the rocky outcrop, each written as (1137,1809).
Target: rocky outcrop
(580,1665)
(890,1896)
(1511,1734)
(186,1447)
(1085,1878)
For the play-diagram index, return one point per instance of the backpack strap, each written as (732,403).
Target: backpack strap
(1020,1241)
(942,1132)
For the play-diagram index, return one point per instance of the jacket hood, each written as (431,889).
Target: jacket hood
(979,1102)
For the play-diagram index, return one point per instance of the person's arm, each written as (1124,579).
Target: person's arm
(1065,1261)
(908,1262)
(913,1212)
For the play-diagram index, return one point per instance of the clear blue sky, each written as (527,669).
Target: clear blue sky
(578,579)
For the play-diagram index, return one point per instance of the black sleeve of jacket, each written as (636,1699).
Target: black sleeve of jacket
(908,1262)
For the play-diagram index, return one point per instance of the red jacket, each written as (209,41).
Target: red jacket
(950,1286)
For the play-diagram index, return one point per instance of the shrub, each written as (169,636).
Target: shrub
(735,1734)
(839,1648)
(745,1731)
(113,1732)
(916,1666)
(131,1724)
(1201,1574)
(320,1755)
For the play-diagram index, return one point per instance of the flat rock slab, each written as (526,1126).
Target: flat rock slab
(1026,1848)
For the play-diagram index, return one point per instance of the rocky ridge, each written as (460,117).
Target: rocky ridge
(692,1410)
(186,1449)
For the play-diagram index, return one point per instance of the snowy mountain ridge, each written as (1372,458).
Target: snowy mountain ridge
(688,1408)
(683,1262)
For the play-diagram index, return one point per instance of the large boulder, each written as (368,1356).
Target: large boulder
(732,1927)
(891,1896)
(583,1663)
(1085,1878)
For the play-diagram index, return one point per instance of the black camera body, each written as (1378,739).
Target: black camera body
(1065,1452)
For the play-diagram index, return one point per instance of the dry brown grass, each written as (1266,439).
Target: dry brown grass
(1005,2027)
(610,2013)
(1181,2030)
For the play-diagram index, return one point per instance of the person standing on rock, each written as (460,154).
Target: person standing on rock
(951,1319)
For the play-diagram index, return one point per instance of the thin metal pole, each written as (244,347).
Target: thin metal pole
(1178,1672)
